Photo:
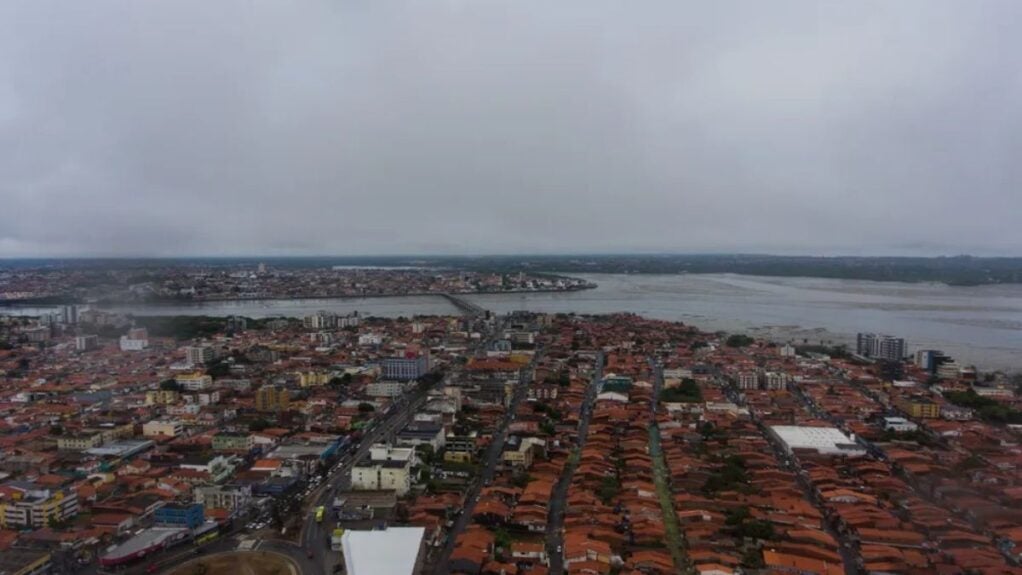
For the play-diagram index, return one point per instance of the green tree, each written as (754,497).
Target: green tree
(502,539)
(738,340)
(170,385)
(753,559)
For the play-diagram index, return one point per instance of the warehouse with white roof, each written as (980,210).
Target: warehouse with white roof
(823,440)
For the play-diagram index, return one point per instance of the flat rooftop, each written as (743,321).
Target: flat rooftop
(827,440)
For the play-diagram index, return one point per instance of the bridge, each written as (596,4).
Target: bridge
(464,306)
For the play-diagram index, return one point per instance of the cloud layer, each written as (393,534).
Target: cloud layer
(461,126)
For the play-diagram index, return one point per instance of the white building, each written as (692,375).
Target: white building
(824,440)
(386,468)
(230,497)
(370,339)
(777,381)
(131,344)
(386,388)
(31,506)
(748,380)
(86,342)
(199,354)
(392,551)
(879,346)
(899,424)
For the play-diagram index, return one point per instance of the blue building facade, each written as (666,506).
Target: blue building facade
(191,516)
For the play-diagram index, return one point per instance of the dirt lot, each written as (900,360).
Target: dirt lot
(250,563)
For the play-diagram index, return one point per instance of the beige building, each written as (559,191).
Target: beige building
(194,381)
(80,441)
(162,427)
(161,397)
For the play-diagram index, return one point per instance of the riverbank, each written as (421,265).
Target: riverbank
(60,300)
(978,325)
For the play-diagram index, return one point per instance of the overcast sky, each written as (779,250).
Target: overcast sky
(477,126)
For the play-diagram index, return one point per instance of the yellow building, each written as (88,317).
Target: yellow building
(161,397)
(313,378)
(920,409)
(272,398)
(457,457)
(79,442)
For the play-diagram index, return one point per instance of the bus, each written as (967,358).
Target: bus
(203,539)
(319,514)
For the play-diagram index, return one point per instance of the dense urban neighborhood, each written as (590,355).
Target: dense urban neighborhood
(522,444)
(154,281)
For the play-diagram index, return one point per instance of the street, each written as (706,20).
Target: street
(555,512)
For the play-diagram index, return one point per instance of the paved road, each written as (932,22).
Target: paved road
(848,547)
(558,501)
(316,536)
(490,460)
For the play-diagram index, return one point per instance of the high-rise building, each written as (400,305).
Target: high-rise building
(236,323)
(199,354)
(70,314)
(329,320)
(405,368)
(272,398)
(86,342)
(931,359)
(748,380)
(878,346)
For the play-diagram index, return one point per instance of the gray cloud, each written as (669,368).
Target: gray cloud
(235,127)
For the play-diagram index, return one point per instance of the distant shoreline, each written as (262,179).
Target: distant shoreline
(169,302)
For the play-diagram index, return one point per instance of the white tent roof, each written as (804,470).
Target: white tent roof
(389,552)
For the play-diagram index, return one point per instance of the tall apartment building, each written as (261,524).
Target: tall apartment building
(328,320)
(26,505)
(931,359)
(917,408)
(272,398)
(69,314)
(777,380)
(405,368)
(86,342)
(879,346)
(385,468)
(748,380)
(199,354)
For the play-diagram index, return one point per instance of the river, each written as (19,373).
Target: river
(981,325)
